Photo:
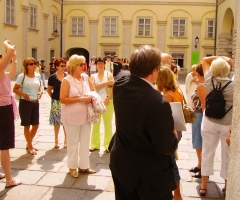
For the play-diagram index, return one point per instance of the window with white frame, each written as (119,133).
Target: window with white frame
(144,26)
(55,22)
(10,12)
(33,17)
(179,57)
(210,28)
(77,26)
(110,26)
(179,27)
(34,53)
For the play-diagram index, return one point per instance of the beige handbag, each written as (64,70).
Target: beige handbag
(17,96)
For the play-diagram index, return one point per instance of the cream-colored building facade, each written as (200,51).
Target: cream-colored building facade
(185,29)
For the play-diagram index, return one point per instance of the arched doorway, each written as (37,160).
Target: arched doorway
(79,51)
(225,38)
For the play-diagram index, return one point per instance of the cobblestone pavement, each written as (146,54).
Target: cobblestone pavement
(45,176)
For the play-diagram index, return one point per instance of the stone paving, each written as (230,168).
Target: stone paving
(45,176)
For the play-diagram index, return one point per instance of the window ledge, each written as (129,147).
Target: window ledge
(32,29)
(77,35)
(139,36)
(110,36)
(178,37)
(10,25)
(208,38)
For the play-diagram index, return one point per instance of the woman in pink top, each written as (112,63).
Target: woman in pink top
(8,111)
(74,115)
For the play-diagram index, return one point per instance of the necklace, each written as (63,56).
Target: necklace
(77,87)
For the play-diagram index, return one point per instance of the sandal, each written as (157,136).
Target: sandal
(107,151)
(89,171)
(33,152)
(203,194)
(194,169)
(65,144)
(13,183)
(73,173)
(198,175)
(2,176)
(93,149)
(56,144)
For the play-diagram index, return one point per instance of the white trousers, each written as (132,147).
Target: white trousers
(78,138)
(211,134)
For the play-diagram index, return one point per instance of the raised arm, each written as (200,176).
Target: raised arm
(8,56)
(12,72)
(206,62)
(166,58)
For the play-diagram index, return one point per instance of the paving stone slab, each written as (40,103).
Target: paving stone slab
(62,180)
(90,182)
(103,170)
(24,192)
(22,162)
(90,195)
(191,189)
(105,196)
(47,166)
(28,177)
(63,194)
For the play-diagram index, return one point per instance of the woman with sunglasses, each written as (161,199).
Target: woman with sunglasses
(54,84)
(28,86)
(74,115)
(8,111)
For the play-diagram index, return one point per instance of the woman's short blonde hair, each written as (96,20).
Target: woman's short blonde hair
(73,61)
(165,80)
(26,63)
(193,68)
(220,68)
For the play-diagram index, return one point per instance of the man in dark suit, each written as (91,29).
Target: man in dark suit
(140,159)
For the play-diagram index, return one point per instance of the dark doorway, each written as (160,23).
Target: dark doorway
(80,51)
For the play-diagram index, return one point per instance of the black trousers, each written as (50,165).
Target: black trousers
(121,193)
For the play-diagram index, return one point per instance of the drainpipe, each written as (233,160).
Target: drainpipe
(215,37)
(61,29)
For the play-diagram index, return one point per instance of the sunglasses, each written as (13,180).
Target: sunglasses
(62,65)
(82,64)
(0,55)
(31,64)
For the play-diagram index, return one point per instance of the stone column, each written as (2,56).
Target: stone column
(233,183)
(161,35)
(45,36)
(93,43)
(24,32)
(126,40)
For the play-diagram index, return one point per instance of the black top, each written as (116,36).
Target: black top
(144,140)
(56,83)
(117,66)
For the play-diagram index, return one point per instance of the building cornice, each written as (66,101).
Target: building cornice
(161,23)
(196,23)
(109,44)
(179,3)
(138,45)
(178,45)
(208,46)
(127,22)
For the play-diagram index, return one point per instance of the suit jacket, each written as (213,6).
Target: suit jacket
(144,138)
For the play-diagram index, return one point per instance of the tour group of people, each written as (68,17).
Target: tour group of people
(143,149)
